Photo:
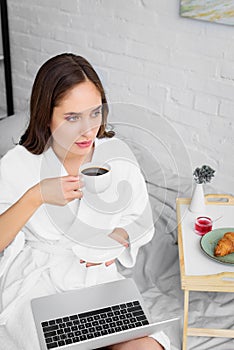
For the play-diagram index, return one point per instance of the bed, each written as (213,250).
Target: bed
(157,268)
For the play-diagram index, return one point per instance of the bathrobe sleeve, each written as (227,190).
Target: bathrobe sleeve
(18,172)
(135,214)
(6,194)
(136,219)
(7,198)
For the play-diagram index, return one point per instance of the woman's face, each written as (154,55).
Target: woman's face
(76,120)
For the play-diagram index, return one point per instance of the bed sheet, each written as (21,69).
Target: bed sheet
(157,270)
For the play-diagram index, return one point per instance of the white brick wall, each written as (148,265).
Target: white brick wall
(147,55)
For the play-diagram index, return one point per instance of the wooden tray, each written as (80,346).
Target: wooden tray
(198,272)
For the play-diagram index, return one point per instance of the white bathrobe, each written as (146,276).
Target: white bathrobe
(44,258)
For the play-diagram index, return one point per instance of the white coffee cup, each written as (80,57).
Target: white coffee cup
(97,178)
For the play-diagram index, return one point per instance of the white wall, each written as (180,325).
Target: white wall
(148,56)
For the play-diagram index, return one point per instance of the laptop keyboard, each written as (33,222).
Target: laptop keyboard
(92,324)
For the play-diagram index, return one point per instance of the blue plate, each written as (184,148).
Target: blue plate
(209,241)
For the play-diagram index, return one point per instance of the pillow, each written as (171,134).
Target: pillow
(11,129)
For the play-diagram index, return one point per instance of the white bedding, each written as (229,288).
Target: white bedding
(157,270)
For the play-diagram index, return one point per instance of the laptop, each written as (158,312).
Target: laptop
(93,317)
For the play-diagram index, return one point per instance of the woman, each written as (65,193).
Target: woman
(44,211)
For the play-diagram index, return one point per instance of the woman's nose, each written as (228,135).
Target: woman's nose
(88,126)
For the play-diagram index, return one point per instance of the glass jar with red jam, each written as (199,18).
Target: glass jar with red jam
(203,224)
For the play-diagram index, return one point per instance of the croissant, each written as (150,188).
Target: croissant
(225,245)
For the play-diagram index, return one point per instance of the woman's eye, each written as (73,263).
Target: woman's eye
(96,114)
(72,118)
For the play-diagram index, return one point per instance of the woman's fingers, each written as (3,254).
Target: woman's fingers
(61,190)
(117,236)
(73,183)
(108,263)
(72,187)
(89,264)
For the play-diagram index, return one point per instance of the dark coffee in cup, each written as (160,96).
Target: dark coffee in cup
(97,178)
(94,171)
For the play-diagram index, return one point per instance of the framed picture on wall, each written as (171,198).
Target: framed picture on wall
(219,11)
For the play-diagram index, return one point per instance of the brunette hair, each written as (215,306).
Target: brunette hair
(53,80)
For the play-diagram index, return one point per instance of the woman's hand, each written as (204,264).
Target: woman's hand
(60,190)
(57,191)
(89,264)
(144,343)
(119,235)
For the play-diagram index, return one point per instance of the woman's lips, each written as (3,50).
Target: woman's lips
(84,144)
